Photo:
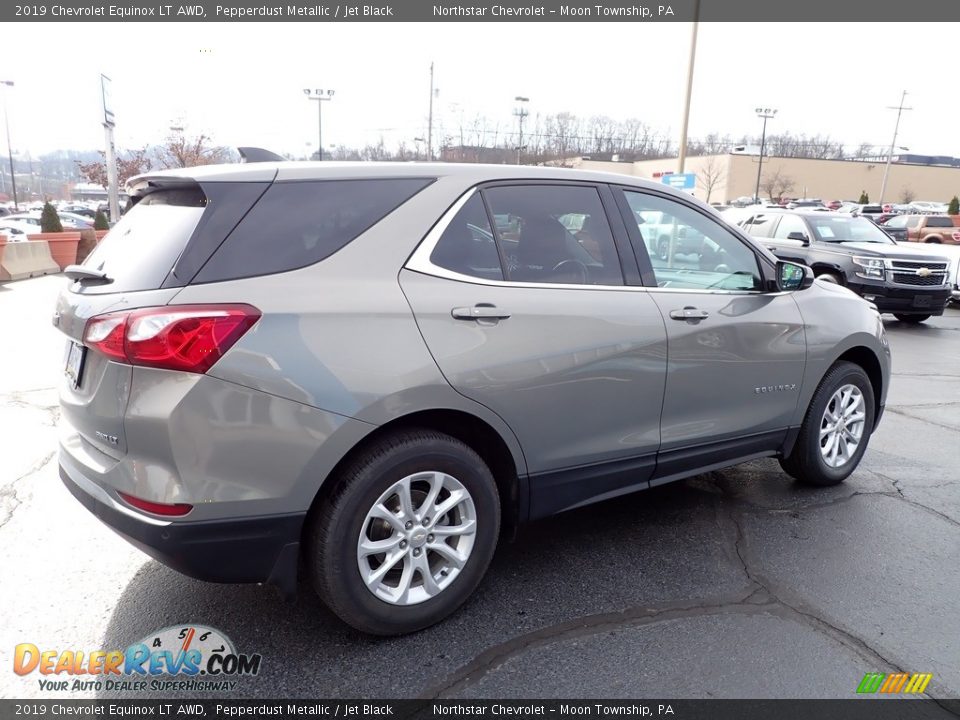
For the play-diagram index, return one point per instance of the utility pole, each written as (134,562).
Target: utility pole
(430,120)
(6,120)
(896,128)
(682,157)
(766,114)
(520,112)
(113,191)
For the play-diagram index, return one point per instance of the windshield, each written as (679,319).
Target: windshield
(847,229)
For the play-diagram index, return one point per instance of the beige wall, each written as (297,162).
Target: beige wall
(824,179)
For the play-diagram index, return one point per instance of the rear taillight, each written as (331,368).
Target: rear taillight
(165,509)
(190,338)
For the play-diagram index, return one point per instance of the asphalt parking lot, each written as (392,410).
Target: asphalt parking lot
(738,583)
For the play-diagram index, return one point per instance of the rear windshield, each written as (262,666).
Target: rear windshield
(139,251)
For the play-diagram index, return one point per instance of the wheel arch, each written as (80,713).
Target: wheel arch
(473,431)
(866,359)
(821,267)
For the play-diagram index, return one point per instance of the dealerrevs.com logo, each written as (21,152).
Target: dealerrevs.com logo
(202,658)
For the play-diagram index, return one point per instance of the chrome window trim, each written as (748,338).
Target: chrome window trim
(420,262)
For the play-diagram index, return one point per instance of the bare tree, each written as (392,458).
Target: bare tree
(129,164)
(775,183)
(710,175)
(181,151)
(907,195)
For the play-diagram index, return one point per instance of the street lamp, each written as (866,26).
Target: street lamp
(766,114)
(520,112)
(320,96)
(6,120)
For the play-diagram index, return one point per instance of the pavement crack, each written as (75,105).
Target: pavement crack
(493,658)
(9,500)
(945,426)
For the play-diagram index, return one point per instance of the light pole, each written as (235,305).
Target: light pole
(766,114)
(886,170)
(6,120)
(320,96)
(520,112)
(682,155)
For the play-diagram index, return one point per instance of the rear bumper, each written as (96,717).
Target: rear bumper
(242,550)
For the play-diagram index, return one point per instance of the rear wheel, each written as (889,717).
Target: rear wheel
(407,535)
(911,319)
(836,429)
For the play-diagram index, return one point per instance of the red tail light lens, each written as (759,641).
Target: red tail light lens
(165,509)
(189,338)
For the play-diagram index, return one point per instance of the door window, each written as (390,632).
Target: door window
(467,245)
(790,224)
(691,251)
(555,234)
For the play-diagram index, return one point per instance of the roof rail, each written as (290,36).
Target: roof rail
(255,155)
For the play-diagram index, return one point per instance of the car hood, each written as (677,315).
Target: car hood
(888,251)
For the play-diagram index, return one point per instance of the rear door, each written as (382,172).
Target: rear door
(538,324)
(736,352)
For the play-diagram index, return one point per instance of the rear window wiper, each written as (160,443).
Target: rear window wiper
(87,275)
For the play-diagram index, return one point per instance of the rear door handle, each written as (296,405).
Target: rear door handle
(480,311)
(689,313)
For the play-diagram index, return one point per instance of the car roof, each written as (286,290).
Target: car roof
(300,170)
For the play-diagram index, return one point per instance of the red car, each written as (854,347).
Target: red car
(833,204)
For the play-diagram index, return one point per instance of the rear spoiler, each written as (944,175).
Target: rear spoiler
(255,155)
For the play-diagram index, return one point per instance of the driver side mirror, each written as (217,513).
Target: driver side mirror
(792,276)
(797,235)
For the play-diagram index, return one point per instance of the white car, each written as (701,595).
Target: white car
(68,220)
(17,229)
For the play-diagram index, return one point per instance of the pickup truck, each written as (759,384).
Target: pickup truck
(911,283)
(942,229)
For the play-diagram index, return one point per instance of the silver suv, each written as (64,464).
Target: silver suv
(369,371)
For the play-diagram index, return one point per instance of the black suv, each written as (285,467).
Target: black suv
(853,252)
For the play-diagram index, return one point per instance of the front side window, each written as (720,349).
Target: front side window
(554,234)
(690,250)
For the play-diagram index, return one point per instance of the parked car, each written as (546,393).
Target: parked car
(927,207)
(833,204)
(855,253)
(349,368)
(937,229)
(804,203)
(896,226)
(68,220)
(953,253)
(17,228)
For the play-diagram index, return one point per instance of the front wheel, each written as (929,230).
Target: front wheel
(407,535)
(836,429)
(912,319)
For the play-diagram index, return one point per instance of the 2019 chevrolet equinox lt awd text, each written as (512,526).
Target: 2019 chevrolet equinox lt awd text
(356,369)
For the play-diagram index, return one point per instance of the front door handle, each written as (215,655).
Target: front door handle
(480,311)
(689,313)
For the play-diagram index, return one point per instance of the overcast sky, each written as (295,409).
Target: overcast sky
(243,83)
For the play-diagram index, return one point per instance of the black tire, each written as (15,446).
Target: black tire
(334,531)
(805,462)
(912,319)
(830,278)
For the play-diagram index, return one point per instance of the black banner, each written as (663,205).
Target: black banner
(859,709)
(855,11)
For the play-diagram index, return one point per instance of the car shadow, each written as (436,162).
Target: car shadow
(667,545)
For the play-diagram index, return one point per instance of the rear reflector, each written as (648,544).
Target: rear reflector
(189,338)
(167,510)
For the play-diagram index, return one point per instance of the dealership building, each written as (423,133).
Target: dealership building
(735,175)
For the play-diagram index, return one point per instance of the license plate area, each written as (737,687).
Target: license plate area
(73,362)
(921,301)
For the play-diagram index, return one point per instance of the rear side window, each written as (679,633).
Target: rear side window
(296,224)
(939,222)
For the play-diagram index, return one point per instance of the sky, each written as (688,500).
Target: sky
(242,83)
